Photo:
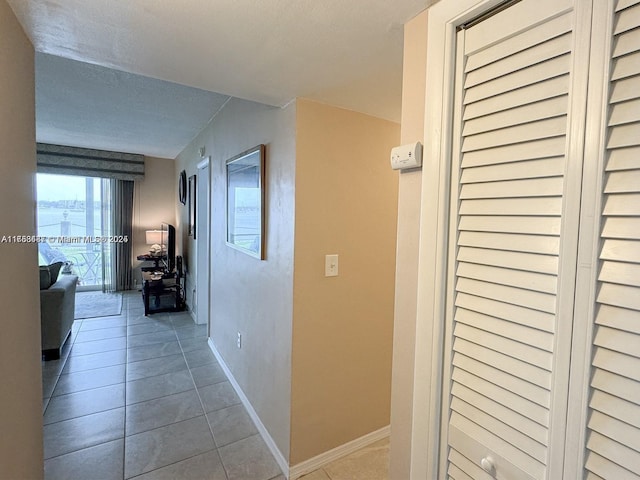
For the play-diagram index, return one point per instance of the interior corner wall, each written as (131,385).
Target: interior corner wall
(346,204)
(20,351)
(154,202)
(248,295)
(410,184)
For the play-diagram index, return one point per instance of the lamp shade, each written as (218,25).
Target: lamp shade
(153,237)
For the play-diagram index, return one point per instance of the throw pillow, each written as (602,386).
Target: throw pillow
(45,277)
(49,274)
(54,270)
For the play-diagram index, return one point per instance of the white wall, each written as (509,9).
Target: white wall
(248,295)
(20,352)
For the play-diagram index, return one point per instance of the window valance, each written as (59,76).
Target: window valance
(63,160)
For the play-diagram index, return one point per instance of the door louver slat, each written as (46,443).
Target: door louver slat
(528,38)
(531,373)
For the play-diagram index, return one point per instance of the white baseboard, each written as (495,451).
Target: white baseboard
(312,464)
(271,444)
(329,456)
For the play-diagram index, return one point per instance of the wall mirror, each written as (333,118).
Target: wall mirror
(245,202)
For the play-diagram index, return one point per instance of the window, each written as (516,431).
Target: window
(69,215)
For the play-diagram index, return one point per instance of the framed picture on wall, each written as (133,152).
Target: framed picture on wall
(182,187)
(192,206)
(245,201)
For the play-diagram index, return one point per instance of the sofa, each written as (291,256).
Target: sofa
(57,311)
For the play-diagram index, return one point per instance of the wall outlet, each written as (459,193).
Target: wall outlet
(239,340)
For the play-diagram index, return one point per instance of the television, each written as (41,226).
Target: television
(168,236)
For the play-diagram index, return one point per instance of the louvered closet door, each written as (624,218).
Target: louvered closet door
(613,435)
(507,204)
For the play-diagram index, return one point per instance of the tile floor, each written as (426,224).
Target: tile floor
(144,397)
(368,463)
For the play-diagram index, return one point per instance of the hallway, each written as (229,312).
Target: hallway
(144,397)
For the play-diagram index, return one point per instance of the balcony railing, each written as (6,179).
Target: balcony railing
(84,260)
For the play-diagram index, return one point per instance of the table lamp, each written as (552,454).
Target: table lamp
(154,238)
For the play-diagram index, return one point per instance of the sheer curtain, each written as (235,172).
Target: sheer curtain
(108,270)
(117,222)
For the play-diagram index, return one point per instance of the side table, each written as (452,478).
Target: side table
(161,292)
(150,258)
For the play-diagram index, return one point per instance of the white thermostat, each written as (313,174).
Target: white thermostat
(406,156)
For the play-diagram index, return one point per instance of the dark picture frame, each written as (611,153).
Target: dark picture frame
(182,187)
(245,191)
(192,206)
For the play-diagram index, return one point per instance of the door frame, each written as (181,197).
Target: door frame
(596,132)
(204,237)
(444,18)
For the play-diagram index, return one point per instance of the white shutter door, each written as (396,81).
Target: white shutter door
(507,206)
(613,425)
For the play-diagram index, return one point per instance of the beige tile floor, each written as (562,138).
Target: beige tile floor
(144,397)
(369,463)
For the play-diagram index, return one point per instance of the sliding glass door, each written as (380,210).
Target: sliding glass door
(73,213)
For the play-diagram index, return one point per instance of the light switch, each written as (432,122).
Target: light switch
(331,265)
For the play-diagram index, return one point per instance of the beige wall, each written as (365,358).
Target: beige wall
(154,202)
(20,371)
(413,101)
(346,203)
(248,295)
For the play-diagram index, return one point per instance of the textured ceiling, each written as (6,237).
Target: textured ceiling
(90,106)
(345,53)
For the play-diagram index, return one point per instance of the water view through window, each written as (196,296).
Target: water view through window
(69,215)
